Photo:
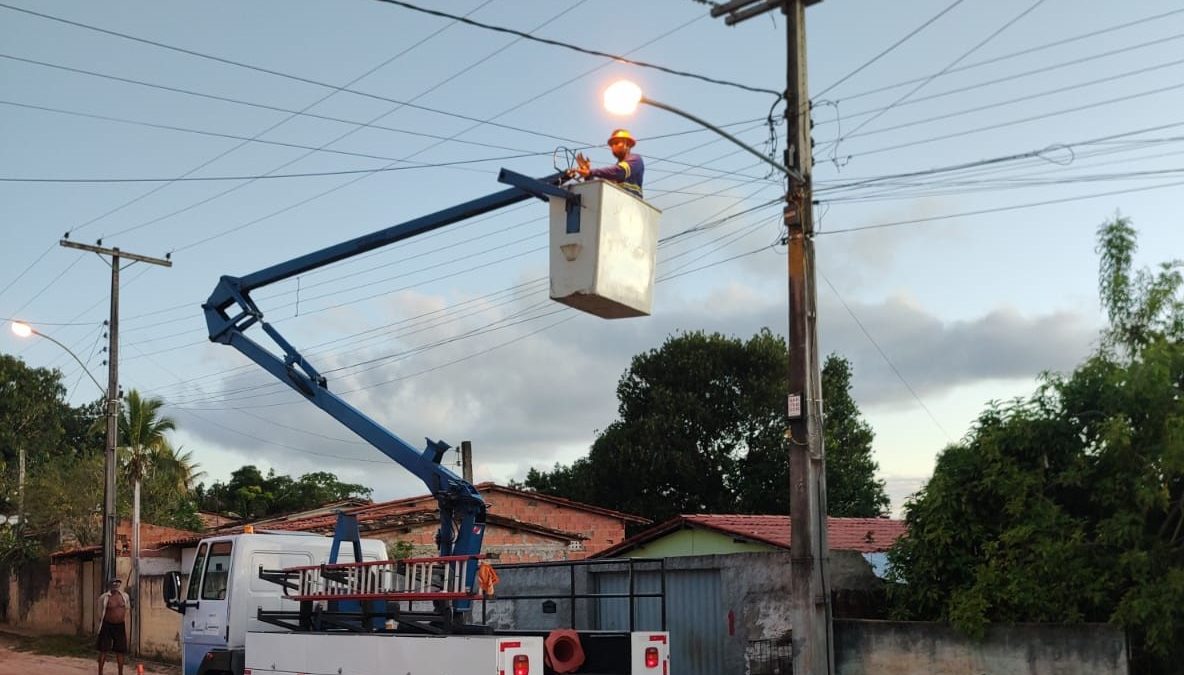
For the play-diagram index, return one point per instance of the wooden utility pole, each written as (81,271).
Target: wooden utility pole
(810,606)
(109,458)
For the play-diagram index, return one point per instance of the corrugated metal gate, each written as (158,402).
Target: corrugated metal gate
(694,614)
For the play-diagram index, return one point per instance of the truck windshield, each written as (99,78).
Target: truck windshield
(199,562)
(217,571)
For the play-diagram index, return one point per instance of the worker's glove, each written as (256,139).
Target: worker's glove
(583,166)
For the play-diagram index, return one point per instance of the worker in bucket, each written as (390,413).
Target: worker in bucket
(627,172)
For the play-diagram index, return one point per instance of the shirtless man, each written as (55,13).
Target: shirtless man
(113,606)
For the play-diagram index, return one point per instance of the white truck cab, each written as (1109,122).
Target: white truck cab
(224,592)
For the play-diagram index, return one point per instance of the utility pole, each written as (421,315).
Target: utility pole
(810,603)
(109,458)
(20,517)
(466,460)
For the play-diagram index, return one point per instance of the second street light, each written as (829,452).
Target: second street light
(24,330)
(810,603)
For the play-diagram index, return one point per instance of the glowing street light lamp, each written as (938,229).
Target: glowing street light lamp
(622,98)
(24,330)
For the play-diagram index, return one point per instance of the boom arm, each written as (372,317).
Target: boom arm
(230,311)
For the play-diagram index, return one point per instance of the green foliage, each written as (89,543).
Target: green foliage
(67,495)
(1069,506)
(248,494)
(701,429)
(32,416)
(16,549)
(142,432)
(852,488)
(403,550)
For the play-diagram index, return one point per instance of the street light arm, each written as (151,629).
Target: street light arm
(80,363)
(682,113)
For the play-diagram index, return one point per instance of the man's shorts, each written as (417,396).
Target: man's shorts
(112,638)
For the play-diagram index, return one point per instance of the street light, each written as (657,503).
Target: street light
(24,330)
(812,638)
(622,98)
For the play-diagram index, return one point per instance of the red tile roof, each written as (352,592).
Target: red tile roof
(493,487)
(371,522)
(865,535)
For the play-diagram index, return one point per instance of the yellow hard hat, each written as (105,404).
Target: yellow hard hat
(623,134)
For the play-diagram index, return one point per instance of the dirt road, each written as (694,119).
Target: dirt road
(13,662)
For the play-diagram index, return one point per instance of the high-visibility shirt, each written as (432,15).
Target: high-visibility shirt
(627,173)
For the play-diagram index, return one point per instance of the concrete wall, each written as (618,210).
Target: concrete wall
(160,637)
(754,631)
(900,648)
(60,598)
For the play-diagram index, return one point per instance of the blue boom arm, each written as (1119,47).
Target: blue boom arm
(230,311)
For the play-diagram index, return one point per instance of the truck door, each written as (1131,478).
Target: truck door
(204,625)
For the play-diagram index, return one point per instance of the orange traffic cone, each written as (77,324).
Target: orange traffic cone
(139,669)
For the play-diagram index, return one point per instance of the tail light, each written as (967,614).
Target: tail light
(521,664)
(651,657)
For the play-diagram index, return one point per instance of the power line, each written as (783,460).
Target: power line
(1020,99)
(25,271)
(953,63)
(1033,118)
(477,123)
(1004,158)
(582,50)
(1022,52)
(236,101)
(1000,209)
(886,51)
(186,177)
(276,73)
(1010,78)
(887,360)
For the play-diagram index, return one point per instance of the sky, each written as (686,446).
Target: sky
(233,136)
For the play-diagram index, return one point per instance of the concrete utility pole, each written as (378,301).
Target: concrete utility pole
(810,606)
(466,460)
(109,458)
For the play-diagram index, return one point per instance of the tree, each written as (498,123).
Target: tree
(32,411)
(701,428)
(1069,505)
(251,495)
(852,488)
(143,429)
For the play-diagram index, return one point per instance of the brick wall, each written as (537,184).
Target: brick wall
(602,531)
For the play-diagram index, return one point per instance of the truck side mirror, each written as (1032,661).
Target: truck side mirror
(172,591)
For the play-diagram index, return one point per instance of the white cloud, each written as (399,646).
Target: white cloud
(530,398)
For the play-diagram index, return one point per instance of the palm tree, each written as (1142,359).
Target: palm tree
(142,429)
(180,469)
